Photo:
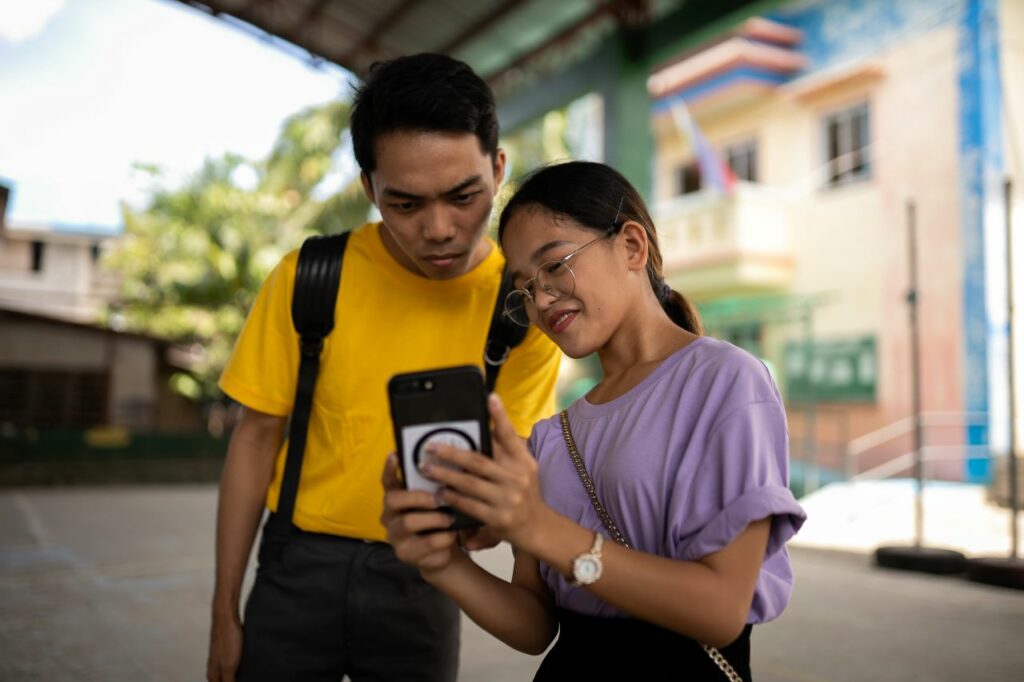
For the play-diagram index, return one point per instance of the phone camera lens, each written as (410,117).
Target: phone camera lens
(428,385)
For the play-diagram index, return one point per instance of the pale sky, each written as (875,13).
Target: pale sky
(89,87)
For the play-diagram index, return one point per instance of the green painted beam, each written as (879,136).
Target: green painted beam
(698,22)
(595,73)
(630,146)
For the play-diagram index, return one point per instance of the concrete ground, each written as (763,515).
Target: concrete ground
(113,584)
(862,515)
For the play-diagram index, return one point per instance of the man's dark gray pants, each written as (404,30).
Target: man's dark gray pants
(324,607)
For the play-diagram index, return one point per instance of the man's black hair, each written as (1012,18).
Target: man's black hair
(425,93)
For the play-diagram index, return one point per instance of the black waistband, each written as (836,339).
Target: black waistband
(642,648)
(276,526)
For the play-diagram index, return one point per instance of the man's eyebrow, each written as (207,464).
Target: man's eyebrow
(402,194)
(465,184)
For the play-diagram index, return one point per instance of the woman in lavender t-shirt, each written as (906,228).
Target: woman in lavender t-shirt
(684,439)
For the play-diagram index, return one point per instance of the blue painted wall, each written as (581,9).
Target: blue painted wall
(837,31)
(981,162)
(746,73)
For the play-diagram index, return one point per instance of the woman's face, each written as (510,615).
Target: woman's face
(582,321)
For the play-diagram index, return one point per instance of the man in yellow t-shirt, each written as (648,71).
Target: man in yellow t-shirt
(417,291)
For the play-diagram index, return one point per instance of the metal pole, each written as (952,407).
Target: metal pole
(850,466)
(811,479)
(915,377)
(1012,462)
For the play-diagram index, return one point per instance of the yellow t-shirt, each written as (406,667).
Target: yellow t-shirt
(387,321)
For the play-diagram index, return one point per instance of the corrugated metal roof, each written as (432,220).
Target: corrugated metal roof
(496,37)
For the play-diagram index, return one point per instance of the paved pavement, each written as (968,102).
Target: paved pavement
(862,515)
(113,584)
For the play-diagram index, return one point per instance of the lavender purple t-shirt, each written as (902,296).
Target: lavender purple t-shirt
(683,462)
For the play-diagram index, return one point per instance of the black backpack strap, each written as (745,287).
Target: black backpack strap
(317,278)
(503,336)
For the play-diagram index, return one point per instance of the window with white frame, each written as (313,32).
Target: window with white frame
(847,145)
(742,158)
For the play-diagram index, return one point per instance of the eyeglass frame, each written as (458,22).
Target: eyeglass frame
(611,231)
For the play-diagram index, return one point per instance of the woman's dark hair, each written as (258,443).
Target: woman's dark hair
(594,195)
(422,92)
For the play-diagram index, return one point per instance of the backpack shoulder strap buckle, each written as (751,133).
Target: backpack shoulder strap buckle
(310,345)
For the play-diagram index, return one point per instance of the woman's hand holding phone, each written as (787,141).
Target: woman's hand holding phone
(501,492)
(415,528)
(444,405)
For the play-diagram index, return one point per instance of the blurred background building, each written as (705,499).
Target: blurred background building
(839,123)
(54,270)
(61,366)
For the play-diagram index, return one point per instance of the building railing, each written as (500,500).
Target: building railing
(740,242)
(930,453)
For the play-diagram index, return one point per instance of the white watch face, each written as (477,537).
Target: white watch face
(587,569)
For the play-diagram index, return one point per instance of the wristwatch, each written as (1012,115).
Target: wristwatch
(586,568)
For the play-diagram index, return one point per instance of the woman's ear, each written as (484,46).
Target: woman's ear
(634,237)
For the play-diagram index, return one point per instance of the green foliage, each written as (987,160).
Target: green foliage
(192,259)
(572,132)
(540,142)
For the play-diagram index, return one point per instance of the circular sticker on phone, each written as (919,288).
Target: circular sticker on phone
(446,435)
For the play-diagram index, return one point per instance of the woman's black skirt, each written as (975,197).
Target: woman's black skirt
(593,648)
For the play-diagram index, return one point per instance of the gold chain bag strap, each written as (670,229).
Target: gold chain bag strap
(616,535)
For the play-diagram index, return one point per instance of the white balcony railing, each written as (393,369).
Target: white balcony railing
(716,245)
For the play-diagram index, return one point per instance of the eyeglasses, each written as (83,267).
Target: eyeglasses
(554,278)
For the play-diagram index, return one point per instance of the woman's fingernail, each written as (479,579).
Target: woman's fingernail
(494,400)
(439,496)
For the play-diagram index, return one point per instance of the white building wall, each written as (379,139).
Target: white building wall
(69,285)
(42,345)
(130,363)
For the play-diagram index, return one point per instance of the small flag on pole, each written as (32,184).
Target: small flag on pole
(714,171)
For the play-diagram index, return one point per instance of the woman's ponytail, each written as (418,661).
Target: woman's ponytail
(682,312)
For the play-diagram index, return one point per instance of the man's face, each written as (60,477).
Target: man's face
(434,191)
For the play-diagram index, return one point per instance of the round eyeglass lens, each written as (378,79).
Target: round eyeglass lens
(515,308)
(556,278)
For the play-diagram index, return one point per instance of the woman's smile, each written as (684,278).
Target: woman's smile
(559,320)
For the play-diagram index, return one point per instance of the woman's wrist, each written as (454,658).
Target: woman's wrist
(557,541)
(439,576)
(541,534)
